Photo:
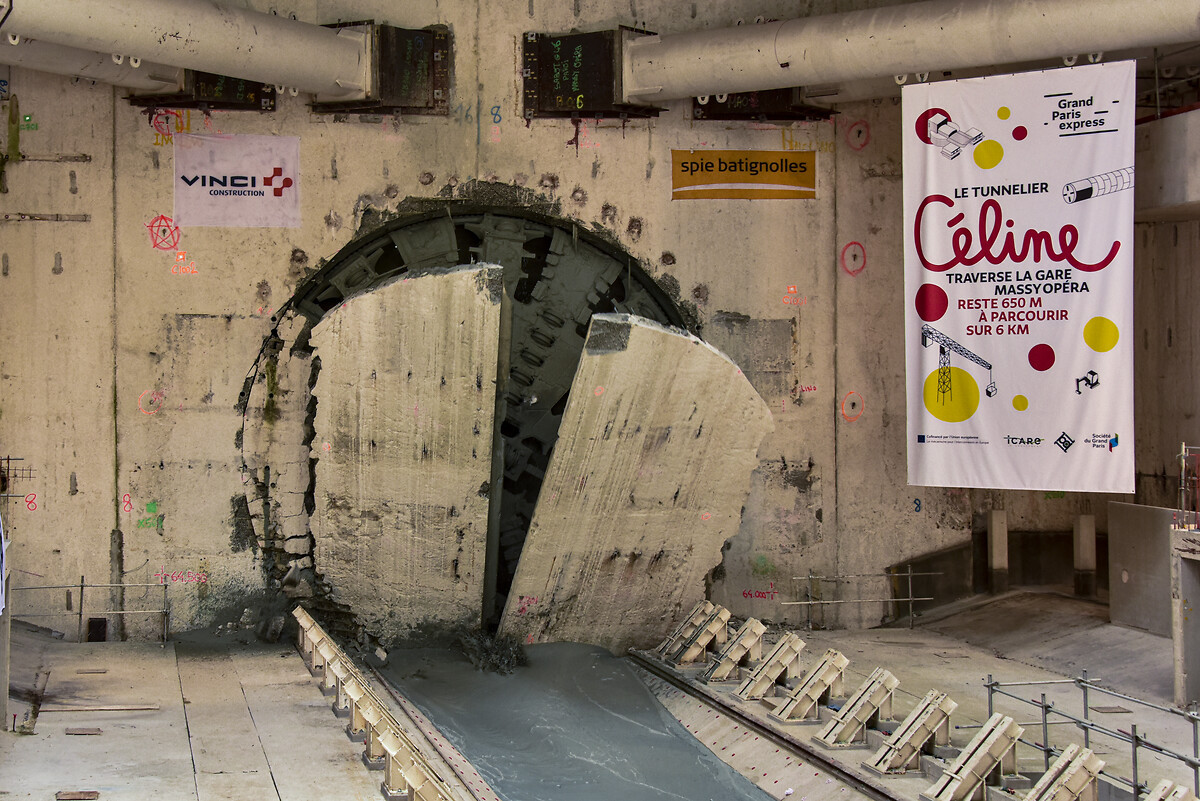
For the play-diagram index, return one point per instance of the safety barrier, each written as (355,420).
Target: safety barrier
(694,620)
(822,682)
(928,724)
(990,754)
(715,629)
(744,647)
(783,662)
(871,702)
(1074,775)
(407,774)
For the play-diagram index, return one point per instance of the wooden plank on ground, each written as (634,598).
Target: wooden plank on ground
(77,795)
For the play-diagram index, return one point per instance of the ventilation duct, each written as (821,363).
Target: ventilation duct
(204,36)
(894,40)
(115,69)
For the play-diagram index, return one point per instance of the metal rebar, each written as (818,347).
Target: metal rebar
(80,635)
(1034,683)
(991,685)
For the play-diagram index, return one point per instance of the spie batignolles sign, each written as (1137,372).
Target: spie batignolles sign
(237,181)
(1018,218)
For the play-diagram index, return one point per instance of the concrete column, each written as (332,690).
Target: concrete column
(1085,555)
(1185,623)
(997,531)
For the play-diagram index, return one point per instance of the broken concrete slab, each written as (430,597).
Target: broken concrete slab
(404,423)
(647,482)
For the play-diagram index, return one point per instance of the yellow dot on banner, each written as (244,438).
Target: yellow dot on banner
(1101,334)
(1020,403)
(959,403)
(988,153)
(1003,112)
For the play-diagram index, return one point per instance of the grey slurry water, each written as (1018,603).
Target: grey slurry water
(575,724)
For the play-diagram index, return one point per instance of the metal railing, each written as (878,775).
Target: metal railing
(814,589)
(79,613)
(1085,723)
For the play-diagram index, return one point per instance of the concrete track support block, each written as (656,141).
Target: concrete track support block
(871,702)
(1167,790)
(744,647)
(688,626)
(1074,775)
(988,756)
(782,663)
(927,726)
(715,630)
(822,681)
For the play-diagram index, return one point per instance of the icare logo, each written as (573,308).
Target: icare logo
(277,188)
(1112,443)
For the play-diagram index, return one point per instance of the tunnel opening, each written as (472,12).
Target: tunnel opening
(556,276)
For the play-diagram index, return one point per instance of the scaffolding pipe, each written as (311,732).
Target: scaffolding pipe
(203,36)
(922,37)
(57,59)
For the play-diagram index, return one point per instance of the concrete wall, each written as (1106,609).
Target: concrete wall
(647,481)
(1139,566)
(95,320)
(405,408)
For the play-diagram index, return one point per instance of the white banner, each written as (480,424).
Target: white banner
(1018,265)
(237,181)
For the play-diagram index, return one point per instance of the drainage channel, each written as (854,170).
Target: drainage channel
(706,696)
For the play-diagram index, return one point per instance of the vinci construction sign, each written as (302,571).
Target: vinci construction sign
(1018,264)
(237,181)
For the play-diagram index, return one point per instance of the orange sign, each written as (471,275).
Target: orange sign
(762,174)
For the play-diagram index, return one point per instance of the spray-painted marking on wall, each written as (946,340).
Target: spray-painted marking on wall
(852,406)
(153,403)
(808,387)
(127,503)
(525,601)
(164,233)
(599,391)
(31,501)
(765,594)
(792,299)
(790,142)
(496,118)
(706,516)
(858,134)
(180,267)
(180,575)
(155,521)
(168,122)
(854,258)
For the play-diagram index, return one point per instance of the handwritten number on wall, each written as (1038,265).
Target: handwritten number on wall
(127,506)
(31,501)
(916,504)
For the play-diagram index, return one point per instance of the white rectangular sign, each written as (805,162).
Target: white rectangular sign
(1018,264)
(237,181)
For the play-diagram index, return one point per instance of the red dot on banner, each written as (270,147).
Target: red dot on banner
(1020,132)
(931,302)
(1041,357)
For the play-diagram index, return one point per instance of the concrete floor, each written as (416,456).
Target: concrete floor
(235,720)
(241,720)
(1029,636)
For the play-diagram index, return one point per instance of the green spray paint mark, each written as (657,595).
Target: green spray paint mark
(762,566)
